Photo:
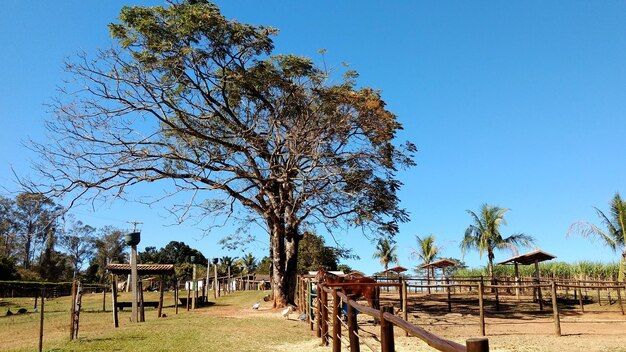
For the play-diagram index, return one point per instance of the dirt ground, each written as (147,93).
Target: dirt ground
(518,326)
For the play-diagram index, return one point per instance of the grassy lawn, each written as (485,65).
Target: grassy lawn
(229,325)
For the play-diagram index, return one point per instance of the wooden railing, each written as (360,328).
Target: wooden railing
(551,288)
(384,316)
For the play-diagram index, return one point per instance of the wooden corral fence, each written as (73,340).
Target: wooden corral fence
(553,289)
(329,300)
(546,293)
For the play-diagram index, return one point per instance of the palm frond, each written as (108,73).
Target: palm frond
(589,230)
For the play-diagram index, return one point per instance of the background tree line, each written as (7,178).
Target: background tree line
(39,241)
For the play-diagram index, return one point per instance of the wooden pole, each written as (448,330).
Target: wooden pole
(114,300)
(216,287)
(538,282)
(449,295)
(580,299)
(387,342)
(405,306)
(336,323)
(319,311)
(517,281)
(176,297)
(555,310)
(353,327)
(104,299)
(142,313)
(160,310)
(324,308)
(481,307)
(208,272)
(477,345)
(619,300)
(43,298)
(73,309)
(194,287)
(134,282)
(188,296)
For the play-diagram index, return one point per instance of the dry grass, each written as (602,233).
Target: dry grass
(229,325)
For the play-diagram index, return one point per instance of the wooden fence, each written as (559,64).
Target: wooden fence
(328,300)
(553,290)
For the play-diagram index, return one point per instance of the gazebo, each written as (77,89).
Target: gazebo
(534,257)
(396,269)
(142,269)
(440,264)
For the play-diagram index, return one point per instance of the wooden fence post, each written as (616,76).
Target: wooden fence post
(73,309)
(353,327)
(336,323)
(114,300)
(495,290)
(449,295)
(188,296)
(104,298)
(43,298)
(319,311)
(555,310)
(481,307)
(160,309)
(619,300)
(324,320)
(405,304)
(477,345)
(580,299)
(176,297)
(142,311)
(387,342)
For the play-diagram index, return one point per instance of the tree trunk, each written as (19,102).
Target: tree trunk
(491,274)
(27,248)
(284,252)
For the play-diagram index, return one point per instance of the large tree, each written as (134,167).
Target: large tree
(201,103)
(109,247)
(484,234)
(36,222)
(78,242)
(614,236)
(314,254)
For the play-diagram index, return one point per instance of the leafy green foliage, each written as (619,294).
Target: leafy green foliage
(484,234)
(314,254)
(614,236)
(270,137)
(385,252)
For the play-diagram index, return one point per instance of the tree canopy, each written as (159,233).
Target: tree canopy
(484,234)
(202,103)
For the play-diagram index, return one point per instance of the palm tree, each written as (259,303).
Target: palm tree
(385,252)
(426,251)
(614,236)
(484,235)
(248,263)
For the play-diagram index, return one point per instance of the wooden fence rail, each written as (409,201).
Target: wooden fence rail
(387,321)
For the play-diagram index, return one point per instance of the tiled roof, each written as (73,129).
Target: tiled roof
(142,269)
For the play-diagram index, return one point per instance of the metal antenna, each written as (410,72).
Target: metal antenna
(135,223)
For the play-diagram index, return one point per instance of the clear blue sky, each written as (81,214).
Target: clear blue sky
(516,104)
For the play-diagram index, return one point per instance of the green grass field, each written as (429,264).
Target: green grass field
(228,325)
